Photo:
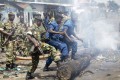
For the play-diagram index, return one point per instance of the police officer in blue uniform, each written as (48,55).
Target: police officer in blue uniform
(55,35)
(68,28)
(46,20)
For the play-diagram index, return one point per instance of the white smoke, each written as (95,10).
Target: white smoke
(97,31)
(105,35)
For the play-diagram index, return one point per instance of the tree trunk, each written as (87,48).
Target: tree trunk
(69,70)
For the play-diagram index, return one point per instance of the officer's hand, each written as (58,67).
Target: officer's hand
(80,40)
(1,29)
(71,40)
(36,45)
(10,34)
(3,44)
(62,33)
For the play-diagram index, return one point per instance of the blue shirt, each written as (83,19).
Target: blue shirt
(46,21)
(55,27)
(69,25)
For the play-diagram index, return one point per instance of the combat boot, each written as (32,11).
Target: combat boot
(58,63)
(73,57)
(46,68)
(2,49)
(8,66)
(29,75)
(13,65)
(64,58)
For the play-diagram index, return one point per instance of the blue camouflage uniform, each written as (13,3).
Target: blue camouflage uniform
(69,25)
(54,41)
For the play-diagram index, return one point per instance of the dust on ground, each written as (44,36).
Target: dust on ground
(105,66)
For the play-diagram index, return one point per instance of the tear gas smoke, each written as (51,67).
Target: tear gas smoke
(105,35)
(96,30)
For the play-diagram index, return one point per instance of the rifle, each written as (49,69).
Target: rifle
(44,26)
(1,39)
(33,48)
(39,48)
(9,37)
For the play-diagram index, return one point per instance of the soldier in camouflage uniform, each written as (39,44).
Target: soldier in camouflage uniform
(35,52)
(38,28)
(10,23)
(11,43)
(21,49)
(20,38)
(1,35)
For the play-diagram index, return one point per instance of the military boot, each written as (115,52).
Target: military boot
(13,65)
(2,49)
(29,75)
(46,68)
(8,66)
(73,57)
(58,63)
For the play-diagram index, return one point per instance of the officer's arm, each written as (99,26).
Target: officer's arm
(33,41)
(4,32)
(76,36)
(55,32)
(66,35)
(51,30)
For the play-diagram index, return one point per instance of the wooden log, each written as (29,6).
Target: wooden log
(41,57)
(29,57)
(69,70)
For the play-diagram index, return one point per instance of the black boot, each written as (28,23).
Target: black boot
(64,58)
(73,57)
(2,50)
(46,68)
(13,65)
(58,63)
(8,66)
(29,76)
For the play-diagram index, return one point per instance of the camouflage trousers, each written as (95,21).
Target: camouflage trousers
(47,49)
(10,52)
(22,49)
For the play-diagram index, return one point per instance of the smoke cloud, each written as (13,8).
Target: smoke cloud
(105,36)
(97,30)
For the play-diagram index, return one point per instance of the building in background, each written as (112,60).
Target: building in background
(23,11)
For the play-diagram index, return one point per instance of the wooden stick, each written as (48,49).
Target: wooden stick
(41,57)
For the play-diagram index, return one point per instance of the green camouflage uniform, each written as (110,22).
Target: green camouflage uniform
(11,45)
(51,51)
(9,25)
(34,55)
(21,48)
(47,49)
(37,30)
(1,36)
(10,52)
